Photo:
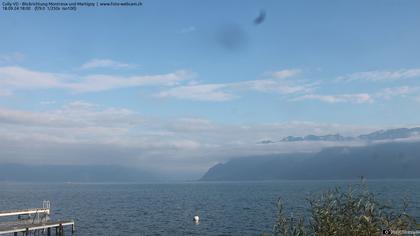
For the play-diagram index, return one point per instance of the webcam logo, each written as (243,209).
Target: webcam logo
(386,232)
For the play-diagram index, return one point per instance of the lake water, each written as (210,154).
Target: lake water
(225,208)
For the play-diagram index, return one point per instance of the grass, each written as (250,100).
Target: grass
(354,211)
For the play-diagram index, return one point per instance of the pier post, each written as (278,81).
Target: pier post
(49,231)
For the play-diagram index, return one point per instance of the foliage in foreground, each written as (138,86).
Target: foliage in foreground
(337,212)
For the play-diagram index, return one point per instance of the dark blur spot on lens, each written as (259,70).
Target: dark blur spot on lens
(232,38)
(261,17)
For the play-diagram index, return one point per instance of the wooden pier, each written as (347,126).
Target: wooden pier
(47,227)
(33,222)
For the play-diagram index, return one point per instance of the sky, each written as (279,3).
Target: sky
(178,86)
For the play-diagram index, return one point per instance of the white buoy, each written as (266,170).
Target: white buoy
(196,219)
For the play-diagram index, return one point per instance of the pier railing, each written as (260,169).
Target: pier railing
(32,221)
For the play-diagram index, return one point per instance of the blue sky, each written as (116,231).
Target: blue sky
(309,67)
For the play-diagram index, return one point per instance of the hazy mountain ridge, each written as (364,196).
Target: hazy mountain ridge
(390,160)
(380,135)
(72,173)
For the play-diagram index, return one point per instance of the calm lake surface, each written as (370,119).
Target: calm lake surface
(225,208)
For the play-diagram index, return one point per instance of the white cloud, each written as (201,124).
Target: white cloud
(382,75)
(77,114)
(14,78)
(278,86)
(341,98)
(285,73)
(402,91)
(386,94)
(94,83)
(105,63)
(202,92)
(279,83)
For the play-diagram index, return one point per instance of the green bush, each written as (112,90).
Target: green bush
(337,212)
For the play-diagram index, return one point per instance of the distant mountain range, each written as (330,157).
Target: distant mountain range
(72,173)
(389,160)
(380,135)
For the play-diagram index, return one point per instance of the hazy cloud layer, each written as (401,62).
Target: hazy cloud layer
(85,133)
